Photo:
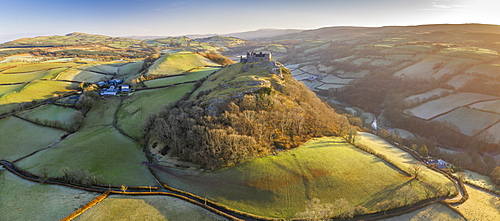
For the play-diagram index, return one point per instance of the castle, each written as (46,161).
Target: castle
(256,57)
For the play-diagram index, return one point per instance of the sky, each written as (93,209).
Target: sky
(30,18)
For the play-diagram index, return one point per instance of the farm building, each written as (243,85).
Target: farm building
(440,164)
(109,91)
(125,88)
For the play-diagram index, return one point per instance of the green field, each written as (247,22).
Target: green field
(20,138)
(279,185)
(65,115)
(102,113)
(101,151)
(76,74)
(130,70)
(191,76)
(6,89)
(38,67)
(38,91)
(23,200)
(103,68)
(136,109)
(98,148)
(118,207)
(178,63)
(30,76)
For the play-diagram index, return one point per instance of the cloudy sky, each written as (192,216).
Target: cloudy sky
(28,18)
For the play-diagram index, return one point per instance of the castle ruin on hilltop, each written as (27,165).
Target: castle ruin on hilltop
(256,57)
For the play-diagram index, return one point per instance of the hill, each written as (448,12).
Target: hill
(281,185)
(240,112)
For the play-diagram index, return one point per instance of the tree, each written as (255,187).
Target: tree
(384,133)
(415,170)
(123,188)
(414,147)
(424,152)
(495,176)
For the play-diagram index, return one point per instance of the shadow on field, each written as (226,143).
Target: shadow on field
(213,185)
(385,194)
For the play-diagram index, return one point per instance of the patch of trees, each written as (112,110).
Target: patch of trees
(256,124)
(13,52)
(217,58)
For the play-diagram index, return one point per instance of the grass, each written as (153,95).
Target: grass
(434,108)
(136,109)
(20,138)
(103,68)
(436,211)
(102,113)
(30,76)
(118,207)
(23,200)
(130,70)
(469,121)
(7,89)
(236,80)
(480,205)
(38,91)
(191,76)
(65,115)
(38,67)
(178,63)
(77,74)
(100,150)
(480,180)
(279,185)
(399,157)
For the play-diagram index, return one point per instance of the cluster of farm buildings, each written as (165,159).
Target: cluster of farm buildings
(113,87)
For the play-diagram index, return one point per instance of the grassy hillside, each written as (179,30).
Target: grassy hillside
(280,185)
(191,76)
(137,108)
(101,149)
(20,138)
(177,63)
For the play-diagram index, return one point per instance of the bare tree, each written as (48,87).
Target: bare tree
(415,170)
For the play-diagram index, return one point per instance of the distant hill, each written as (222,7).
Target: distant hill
(262,33)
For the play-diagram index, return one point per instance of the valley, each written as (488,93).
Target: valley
(201,137)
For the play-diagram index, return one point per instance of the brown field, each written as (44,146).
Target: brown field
(481,205)
(469,121)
